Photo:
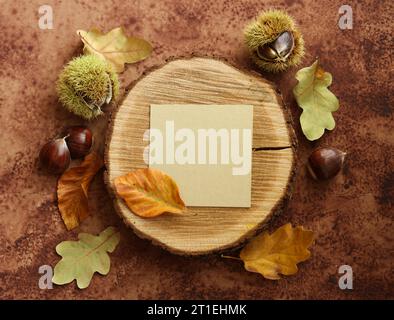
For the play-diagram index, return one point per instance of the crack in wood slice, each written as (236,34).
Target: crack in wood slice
(270,148)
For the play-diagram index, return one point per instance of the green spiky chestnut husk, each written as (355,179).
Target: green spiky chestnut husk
(86,84)
(264,31)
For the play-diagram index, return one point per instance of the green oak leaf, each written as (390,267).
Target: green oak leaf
(81,259)
(316,101)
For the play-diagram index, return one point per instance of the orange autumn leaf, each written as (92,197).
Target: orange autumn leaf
(278,253)
(72,190)
(149,192)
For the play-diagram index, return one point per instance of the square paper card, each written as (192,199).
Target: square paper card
(206,149)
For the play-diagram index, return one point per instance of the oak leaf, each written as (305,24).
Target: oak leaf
(81,259)
(115,47)
(316,100)
(149,192)
(72,190)
(278,253)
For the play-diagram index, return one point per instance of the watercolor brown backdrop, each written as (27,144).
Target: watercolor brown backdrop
(351,215)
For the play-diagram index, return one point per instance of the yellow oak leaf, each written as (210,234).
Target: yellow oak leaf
(82,258)
(149,192)
(115,47)
(278,253)
(316,100)
(72,190)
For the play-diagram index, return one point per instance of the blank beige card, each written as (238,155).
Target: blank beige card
(206,149)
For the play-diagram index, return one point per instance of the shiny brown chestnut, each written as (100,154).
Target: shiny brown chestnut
(325,163)
(279,49)
(55,156)
(79,140)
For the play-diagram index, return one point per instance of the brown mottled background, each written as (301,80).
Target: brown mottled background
(352,214)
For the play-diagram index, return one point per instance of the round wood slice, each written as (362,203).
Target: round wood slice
(205,230)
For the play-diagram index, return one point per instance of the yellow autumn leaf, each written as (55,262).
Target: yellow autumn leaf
(278,253)
(316,100)
(81,259)
(115,47)
(149,192)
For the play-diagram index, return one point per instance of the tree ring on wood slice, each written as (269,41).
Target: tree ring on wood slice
(196,80)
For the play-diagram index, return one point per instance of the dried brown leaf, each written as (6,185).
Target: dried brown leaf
(72,190)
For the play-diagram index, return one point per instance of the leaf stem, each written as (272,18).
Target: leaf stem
(231,257)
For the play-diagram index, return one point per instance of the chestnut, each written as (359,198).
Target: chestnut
(280,48)
(325,163)
(55,156)
(79,140)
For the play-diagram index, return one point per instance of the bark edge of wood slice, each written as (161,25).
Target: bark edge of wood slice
(198,80)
